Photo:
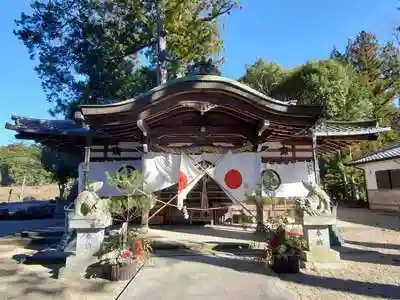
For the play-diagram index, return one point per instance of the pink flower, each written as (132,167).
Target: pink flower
(126,254)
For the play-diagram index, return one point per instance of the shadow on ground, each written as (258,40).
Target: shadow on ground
(374,245)
(364,216)
(18,282)
(353,286)
(368,256)
(8,228)
(385,291)
(219,232)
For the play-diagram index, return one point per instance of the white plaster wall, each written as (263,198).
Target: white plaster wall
(371,168)
(292,175)
(97,172)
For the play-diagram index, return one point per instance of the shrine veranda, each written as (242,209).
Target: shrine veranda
(204,124)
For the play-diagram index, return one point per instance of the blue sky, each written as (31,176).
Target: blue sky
(288,32)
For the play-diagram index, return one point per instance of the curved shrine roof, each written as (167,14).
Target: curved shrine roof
(202,110)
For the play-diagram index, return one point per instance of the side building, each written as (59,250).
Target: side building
(382,175)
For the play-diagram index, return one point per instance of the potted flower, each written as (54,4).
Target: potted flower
(121,260)
(123,253)
(284,248)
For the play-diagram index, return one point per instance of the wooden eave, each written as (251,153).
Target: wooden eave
(205,84)
(198,111)
(228,111)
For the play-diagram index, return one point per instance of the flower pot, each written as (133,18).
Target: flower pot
(122,272)
(286,264)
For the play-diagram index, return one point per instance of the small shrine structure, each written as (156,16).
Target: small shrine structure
(204,117)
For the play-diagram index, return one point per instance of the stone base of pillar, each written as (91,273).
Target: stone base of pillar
(316,233)
(89,239)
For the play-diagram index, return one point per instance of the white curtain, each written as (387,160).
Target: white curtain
(97,172)
(161,170)
(292,175)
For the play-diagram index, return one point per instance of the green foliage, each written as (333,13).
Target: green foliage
(63,167)
(131,205)
(378,67)
(113,247)
(360,83)
(89,50)
(19,161)
(128,207)
(331,84)
(263,76)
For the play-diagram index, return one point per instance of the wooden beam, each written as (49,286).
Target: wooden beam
(160,132)
(242,108)
(146,138)
(143,127)
(264,124)
(285,160)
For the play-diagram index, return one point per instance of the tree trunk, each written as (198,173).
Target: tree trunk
(259,210)
(124,234)
(145,220)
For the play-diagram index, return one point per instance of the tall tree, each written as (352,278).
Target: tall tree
(328,83)
(63,167)
(89,51)
(263,76)
(379,69)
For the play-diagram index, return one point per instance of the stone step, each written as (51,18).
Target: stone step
(31,242)
(51,257)
(36,241)
(41,233)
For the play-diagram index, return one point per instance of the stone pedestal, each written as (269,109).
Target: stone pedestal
(89,239)
(316,233)
(334,232)
(89,234)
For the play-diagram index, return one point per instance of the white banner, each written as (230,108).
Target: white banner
(160,170)
(97,172)
(292,176)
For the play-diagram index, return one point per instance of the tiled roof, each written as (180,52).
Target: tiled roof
(345,128)
(390,152)
(50,127)
(327,128)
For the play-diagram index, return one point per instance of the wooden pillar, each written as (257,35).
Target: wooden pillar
(261,136)
(146,141)
(315,158)
(86,162)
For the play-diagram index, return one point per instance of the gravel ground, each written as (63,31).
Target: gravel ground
(32,282)
(370,261)
(370,266)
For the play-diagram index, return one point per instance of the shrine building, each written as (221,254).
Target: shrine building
(204,117)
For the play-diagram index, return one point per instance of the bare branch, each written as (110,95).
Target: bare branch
(224,9)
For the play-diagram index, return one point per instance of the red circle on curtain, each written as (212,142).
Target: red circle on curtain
(182,181)
(233,179)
